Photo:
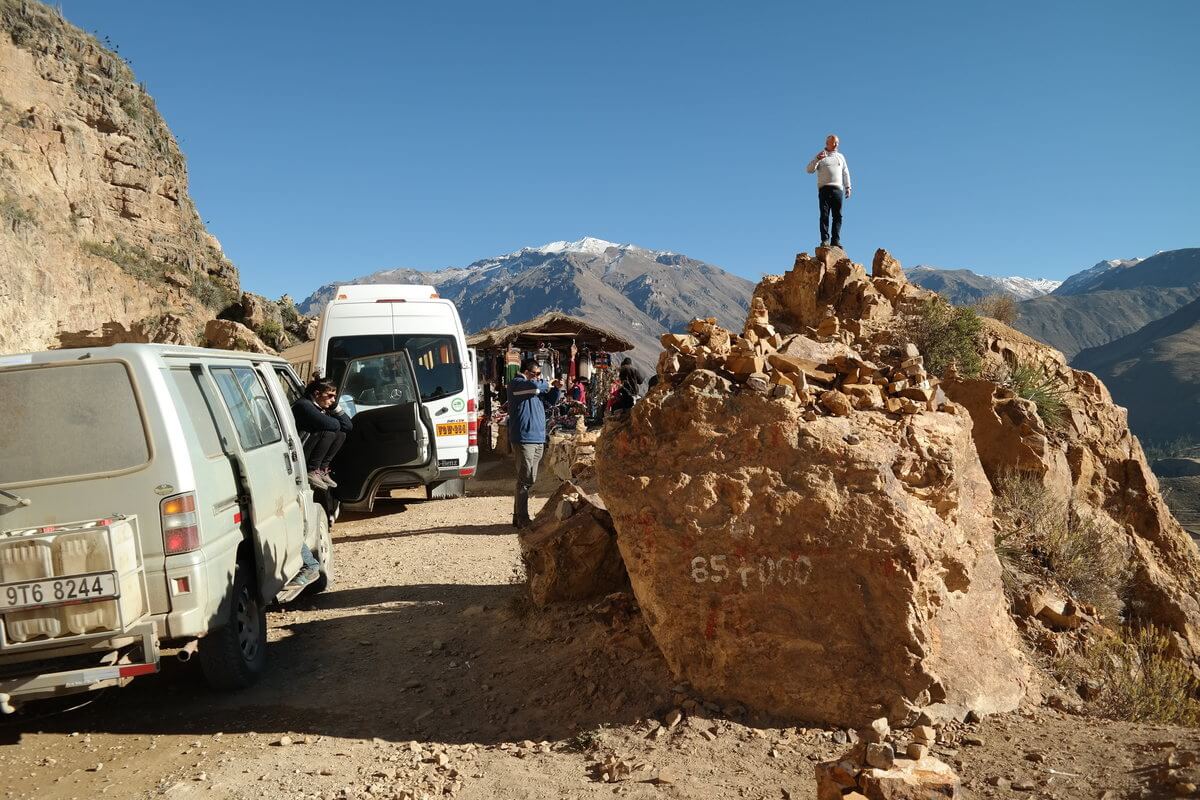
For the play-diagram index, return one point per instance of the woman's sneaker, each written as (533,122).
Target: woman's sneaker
(329,481)
(318,480)
(305,577)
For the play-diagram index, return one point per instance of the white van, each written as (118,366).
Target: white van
(148,494)
(380,319)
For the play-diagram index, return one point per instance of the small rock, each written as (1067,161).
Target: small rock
(203,776)
(672,718)
(973,741)
(880,755)
(284,741)
(1023,785)
(877,732)
(839,737)
(442,759)
(96,768)
(916,751)
(971,717)
(1035,756)
(924,734)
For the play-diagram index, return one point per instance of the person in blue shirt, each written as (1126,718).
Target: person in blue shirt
(527,434)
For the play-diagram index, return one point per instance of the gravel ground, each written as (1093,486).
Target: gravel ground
(422,672)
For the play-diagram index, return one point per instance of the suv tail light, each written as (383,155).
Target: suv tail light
(472,424)
(180,527)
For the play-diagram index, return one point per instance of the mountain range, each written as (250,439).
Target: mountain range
(638,292)
(963,287)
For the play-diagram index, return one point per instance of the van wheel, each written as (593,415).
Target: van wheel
(324,555)
(445,490)
(234,655)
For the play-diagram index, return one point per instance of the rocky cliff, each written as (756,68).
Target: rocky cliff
(99,239)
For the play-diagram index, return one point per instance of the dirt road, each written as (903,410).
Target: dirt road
(422,673)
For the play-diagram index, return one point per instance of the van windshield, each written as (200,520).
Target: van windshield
(69,420)
(435,358)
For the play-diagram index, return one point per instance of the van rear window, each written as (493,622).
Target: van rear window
(435,358)
(69,420)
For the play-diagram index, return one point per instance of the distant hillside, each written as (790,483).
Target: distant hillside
(639,292)
(1155,373)
(1111,300)
(964,287)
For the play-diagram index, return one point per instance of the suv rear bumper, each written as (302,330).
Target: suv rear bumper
(37,684)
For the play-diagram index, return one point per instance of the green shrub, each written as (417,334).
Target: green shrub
(946,335)
(1040,532)
(1139,678)
(270,331)
(137,262)
(1045,390)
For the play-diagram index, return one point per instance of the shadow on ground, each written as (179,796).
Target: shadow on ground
(453,663)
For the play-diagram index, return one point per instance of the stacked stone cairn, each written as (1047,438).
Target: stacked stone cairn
(832,380)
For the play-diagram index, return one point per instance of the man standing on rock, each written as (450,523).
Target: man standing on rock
(527,434)
(833,186)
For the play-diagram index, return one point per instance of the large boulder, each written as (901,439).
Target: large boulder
(835,569)
(570,552)
(225,334)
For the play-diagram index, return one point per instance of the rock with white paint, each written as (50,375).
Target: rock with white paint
(780,566)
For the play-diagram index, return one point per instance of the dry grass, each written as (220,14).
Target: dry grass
(1000,307)
(1139,678)
(1043,534)
(946,335)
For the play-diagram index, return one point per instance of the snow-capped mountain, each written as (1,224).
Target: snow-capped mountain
(964,287)
(635,290)
(1090,278)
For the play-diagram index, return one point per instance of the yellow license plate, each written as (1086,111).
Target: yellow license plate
(452,429)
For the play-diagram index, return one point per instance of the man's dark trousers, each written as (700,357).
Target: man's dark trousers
(830,198)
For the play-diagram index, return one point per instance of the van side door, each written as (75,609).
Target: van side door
(274,502)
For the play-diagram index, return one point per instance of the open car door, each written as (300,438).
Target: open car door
(392,443)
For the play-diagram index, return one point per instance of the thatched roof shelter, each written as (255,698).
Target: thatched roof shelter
(552,327)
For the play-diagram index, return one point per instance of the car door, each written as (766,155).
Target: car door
(392,429)
(274,501)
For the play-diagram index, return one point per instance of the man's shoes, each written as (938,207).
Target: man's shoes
(317,480)
(838,245)
(823,244)
(329,481)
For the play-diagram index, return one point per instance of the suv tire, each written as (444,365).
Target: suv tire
(234,655)
(445,490)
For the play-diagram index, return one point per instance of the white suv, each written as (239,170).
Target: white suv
(148,494)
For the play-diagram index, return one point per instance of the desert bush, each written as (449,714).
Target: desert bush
(1139,678)
(14,214)
(946,335)
(1045,390)
(270,331)
(1000,307)
(129,257)
(1040,532)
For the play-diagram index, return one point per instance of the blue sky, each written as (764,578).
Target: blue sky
(329,140)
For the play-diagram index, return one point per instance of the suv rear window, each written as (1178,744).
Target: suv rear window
(69,420)
(436,359)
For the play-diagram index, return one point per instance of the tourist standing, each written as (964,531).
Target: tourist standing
(833,187)
(527,434)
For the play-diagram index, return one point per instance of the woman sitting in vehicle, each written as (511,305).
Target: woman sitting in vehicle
(324,426)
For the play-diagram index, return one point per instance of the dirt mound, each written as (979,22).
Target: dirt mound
(814,538)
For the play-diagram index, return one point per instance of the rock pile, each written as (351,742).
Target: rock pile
(804,517)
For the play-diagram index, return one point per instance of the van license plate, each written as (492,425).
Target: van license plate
(58,591)
(452,429)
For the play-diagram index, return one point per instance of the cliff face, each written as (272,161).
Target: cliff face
(97,231)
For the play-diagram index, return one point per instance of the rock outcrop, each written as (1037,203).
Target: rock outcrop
(806,514)
(812,537)
(99,240)
(1092,458)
